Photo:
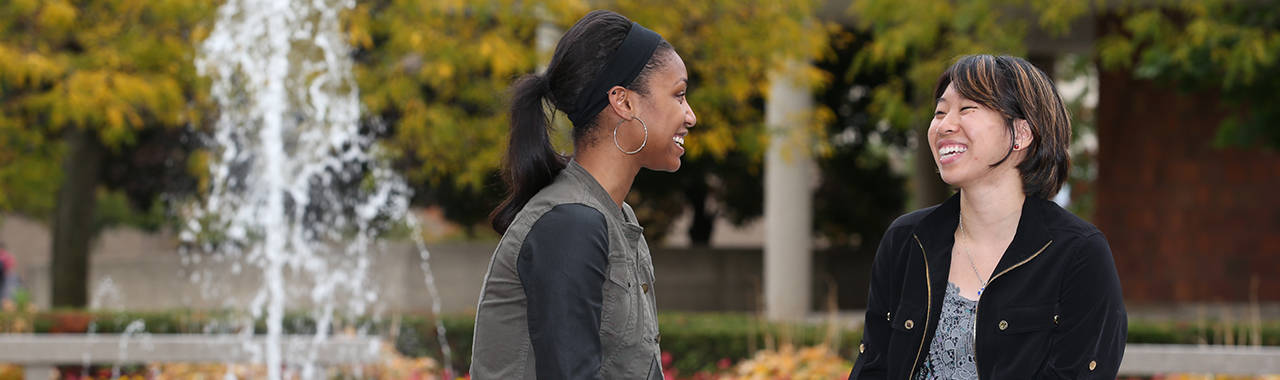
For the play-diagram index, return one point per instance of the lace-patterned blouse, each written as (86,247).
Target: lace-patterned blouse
(951,352)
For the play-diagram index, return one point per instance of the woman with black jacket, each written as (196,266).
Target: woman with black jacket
(997,282)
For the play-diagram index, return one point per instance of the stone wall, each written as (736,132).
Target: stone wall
(134,270)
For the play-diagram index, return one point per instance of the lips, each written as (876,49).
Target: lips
(949,152)
(678,138)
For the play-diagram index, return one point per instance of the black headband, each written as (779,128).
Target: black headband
(623,67)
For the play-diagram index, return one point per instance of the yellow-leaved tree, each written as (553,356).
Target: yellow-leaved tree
(435,75)
(79,81)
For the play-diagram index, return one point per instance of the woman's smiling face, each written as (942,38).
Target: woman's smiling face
(667,114)
(967,138)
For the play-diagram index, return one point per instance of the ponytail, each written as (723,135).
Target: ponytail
(531,162)
(583,54)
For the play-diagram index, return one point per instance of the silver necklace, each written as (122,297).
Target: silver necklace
(982,284)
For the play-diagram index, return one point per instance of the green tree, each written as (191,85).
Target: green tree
(81,82)
(1231,47)
(1228,47)
(435,74)
(859,195)
(29,174)
(922,37)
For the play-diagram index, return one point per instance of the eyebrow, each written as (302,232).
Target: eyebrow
(685,80)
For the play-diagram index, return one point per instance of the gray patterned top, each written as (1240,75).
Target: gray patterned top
(951,352)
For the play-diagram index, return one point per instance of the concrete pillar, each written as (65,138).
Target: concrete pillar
(788,204)
(545,38)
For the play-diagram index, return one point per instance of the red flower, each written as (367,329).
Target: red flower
(724,364)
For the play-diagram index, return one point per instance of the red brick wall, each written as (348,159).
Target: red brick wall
(1186,221)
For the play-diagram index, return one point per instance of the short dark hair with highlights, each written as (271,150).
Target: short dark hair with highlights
(1019,90)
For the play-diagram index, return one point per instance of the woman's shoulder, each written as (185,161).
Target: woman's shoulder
(570,221)
(909,221)
(559,212)
(1062,224)
(1075,239)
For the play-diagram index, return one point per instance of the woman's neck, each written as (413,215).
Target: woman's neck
(991,211)
(614,172)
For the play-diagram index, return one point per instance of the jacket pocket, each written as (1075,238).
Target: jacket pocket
(620,310)
(1025,319)
(908,318)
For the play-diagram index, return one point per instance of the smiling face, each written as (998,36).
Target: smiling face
(666,112)
(967,138)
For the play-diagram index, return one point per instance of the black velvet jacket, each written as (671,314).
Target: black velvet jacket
(1051,310)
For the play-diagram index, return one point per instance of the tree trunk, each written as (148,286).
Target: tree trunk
(703,220)
(928,185)
(73,219)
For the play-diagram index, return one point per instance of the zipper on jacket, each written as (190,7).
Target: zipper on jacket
(978,308)
(928,305)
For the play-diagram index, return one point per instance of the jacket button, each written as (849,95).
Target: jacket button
(862,348)
(888,316)
(1055,319)
(1093,364)
(909,324)
(1004,325)
(645,287)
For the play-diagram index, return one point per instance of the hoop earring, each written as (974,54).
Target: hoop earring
(642,144)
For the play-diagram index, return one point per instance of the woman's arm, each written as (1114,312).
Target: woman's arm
(562,266)
(875,328)
(1089,341)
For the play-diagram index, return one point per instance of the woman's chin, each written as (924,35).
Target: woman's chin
(669,167)
(950,178)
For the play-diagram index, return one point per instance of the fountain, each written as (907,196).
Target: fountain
(299,193)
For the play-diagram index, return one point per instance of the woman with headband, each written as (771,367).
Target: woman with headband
(569,290)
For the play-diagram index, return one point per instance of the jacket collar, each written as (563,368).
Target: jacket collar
(937,234)
(576,173)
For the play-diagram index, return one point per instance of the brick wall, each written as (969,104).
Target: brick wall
(1187,222)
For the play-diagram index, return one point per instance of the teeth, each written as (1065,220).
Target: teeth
(950,149)
(678,140)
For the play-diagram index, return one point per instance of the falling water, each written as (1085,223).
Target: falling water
(137,327)
(297,191)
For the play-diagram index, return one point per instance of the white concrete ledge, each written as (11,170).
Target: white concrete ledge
(1151,359)
(54,349)
(39,351)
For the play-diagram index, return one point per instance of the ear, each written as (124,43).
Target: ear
(620,101)
(1022,133)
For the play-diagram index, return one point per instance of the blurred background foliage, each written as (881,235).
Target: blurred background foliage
(102,112)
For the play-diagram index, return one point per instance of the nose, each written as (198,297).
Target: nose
(948,124)
(690,119)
